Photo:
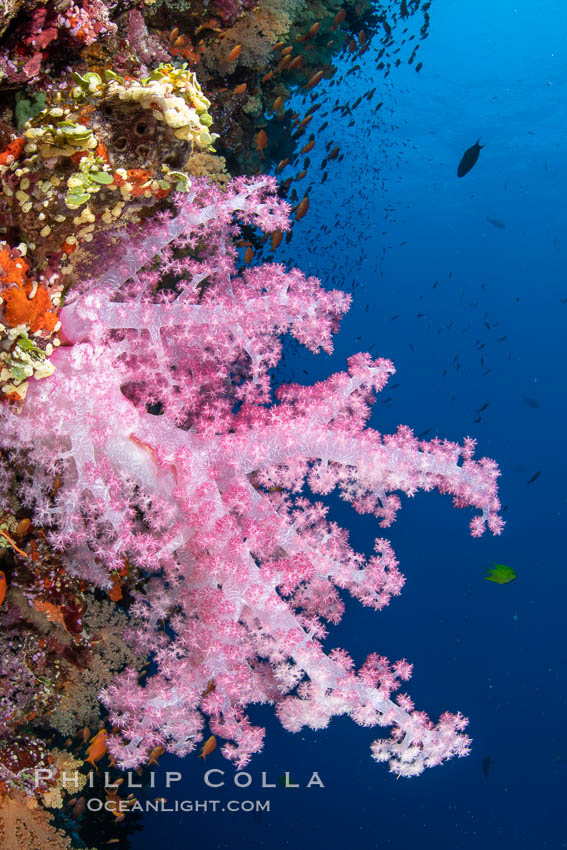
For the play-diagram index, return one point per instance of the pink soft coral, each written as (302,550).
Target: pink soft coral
(174,454)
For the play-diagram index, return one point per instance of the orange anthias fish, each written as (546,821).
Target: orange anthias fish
(2,587)
(302,207)
(261,141)
(97,747)
(234,53)
(208,747)
(315,79)
(339,18)
(277,237)
(155,754)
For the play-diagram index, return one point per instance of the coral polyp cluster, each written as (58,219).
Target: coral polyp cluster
(97,147)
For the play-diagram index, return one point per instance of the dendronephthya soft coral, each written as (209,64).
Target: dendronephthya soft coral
(174,453)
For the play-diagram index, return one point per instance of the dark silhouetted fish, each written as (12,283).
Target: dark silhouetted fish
(495,222)
(487,764)
(469,159)
(531,402)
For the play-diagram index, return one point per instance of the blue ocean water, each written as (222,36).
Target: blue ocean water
(461,282)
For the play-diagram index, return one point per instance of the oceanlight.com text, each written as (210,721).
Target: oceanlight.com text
(187,806)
